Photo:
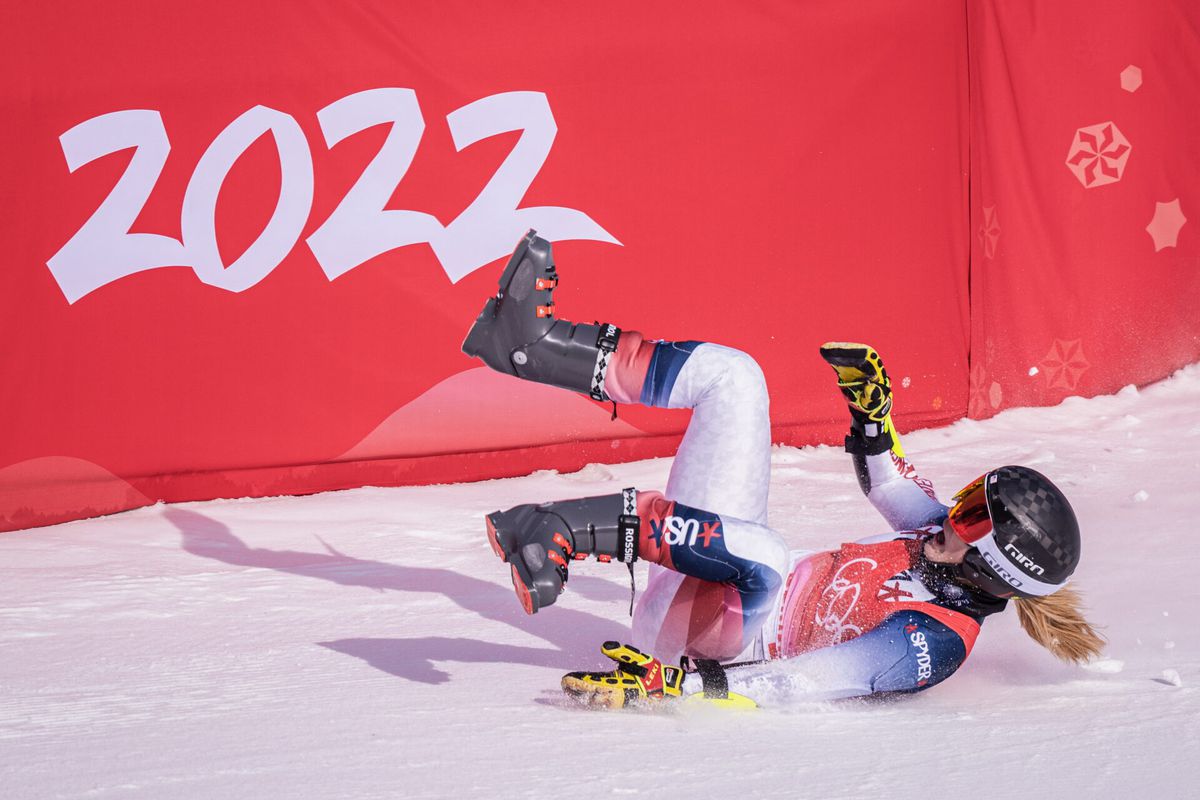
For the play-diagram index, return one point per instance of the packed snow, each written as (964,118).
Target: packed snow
(368,644)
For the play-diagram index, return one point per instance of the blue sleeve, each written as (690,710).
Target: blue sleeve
(907,652)
(923,652)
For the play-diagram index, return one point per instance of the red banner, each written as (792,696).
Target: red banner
(1085,275)
(246,241)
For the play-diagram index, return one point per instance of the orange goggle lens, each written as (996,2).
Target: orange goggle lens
(969,516)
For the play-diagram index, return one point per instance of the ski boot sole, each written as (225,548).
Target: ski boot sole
(481,331)
(494,538)
(504,551)
(476,343)
(524,596)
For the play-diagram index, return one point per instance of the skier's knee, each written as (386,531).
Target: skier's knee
(774,552)
(744,373)
(759,545)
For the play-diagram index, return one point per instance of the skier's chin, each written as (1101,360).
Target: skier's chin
(934,548)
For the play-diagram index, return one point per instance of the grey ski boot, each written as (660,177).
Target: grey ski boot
(538,541)
(517,334)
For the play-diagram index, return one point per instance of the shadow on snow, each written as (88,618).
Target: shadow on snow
(573,635)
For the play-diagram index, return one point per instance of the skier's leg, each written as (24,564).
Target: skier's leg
(517,333)
(733,568)
(539,541)
(723,463)
(716,583)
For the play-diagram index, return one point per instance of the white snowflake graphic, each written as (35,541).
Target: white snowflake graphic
(1098,155)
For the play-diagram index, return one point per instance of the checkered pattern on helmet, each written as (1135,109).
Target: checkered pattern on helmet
(1039,507)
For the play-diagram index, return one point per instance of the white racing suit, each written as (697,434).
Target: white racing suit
(869,617)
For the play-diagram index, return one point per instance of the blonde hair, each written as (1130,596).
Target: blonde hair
(1056,622)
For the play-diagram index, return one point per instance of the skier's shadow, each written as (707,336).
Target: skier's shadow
(573,634)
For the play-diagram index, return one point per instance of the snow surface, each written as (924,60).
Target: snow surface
(367,644)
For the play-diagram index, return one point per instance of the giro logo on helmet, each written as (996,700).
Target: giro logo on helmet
(995,564)
(1024,560)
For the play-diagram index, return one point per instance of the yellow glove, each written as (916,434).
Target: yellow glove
(868,391)
(638,678)
(642,679)
(861,377)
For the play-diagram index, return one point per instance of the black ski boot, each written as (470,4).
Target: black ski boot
(538,541)
(517,334)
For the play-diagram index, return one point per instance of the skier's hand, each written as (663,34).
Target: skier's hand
(642,680)
(861,377)
(638,678)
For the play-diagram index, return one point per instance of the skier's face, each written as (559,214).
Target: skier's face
(945,546)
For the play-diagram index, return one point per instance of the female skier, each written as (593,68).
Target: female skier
(726,601)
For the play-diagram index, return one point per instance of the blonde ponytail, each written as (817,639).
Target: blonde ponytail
(1056,622)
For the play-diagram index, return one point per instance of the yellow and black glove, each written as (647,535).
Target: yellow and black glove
(638,678)
(643,680)
(868,391)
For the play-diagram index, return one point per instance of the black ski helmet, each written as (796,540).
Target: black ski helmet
(1024,534)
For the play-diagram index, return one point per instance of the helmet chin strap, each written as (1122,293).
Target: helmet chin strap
(961,576)
(979,581)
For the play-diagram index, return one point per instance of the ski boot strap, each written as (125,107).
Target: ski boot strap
(605,539)
(869,438)
(606,344)
(712,676)
(715,685)
(629,526)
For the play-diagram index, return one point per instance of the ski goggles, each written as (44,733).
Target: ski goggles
(986,565)
(971,519)
(969,515)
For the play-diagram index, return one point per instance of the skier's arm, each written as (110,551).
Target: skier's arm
(910,651)
(905,499)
